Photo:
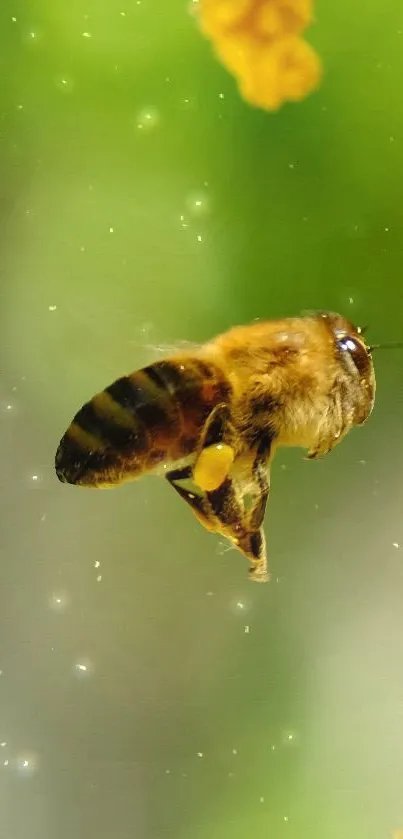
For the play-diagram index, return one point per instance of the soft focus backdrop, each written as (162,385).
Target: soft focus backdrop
(147,689)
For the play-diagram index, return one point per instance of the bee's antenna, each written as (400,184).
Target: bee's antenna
(397,345)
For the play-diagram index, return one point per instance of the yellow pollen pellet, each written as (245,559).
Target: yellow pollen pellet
(260,42)
(212,466)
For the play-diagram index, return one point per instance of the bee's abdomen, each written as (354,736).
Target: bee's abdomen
(187,391)
(141,420)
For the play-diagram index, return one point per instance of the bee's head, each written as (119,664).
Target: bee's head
(354,354)
(350,343)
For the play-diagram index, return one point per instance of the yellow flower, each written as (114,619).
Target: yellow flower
(260,43)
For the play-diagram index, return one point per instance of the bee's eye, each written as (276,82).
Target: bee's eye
(357,351)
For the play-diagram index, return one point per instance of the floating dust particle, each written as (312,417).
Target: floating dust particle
(147,119)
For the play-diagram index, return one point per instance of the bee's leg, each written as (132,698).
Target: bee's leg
(340,425)
(228,508)
(325,446)
(260,495)
(215,452)
(198,503)
(253,545)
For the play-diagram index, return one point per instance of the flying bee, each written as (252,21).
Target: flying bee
(210,419)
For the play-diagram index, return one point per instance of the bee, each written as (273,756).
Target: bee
(211,419)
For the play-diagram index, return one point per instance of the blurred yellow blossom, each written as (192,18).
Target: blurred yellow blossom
(260,43)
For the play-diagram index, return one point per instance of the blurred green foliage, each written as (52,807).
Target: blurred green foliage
(143,203)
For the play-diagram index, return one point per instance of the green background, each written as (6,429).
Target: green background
(143,203)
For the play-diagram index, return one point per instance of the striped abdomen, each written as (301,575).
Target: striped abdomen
(153,416)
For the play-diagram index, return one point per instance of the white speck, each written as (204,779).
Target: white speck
(20,107)
(387,229)
(198,203)
(351,300)
(14,19)
(111,230)
(59,601)
(273,748)
(199,238)
(9,407)
(5,763)
(147,119)
(64,83)
(52,308)
(286,819)
(43,518)
(396,544)
(289,737)
(86,34)
(26,764)
(99,578)
(240,605)
(291,165)
(97,563)
(261,799)
(123,14)
(35,477)
(82,249)
(83,669)
(247,630)
(234,751)
(199,754)
(283,466)
(3,744)
(221,96)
